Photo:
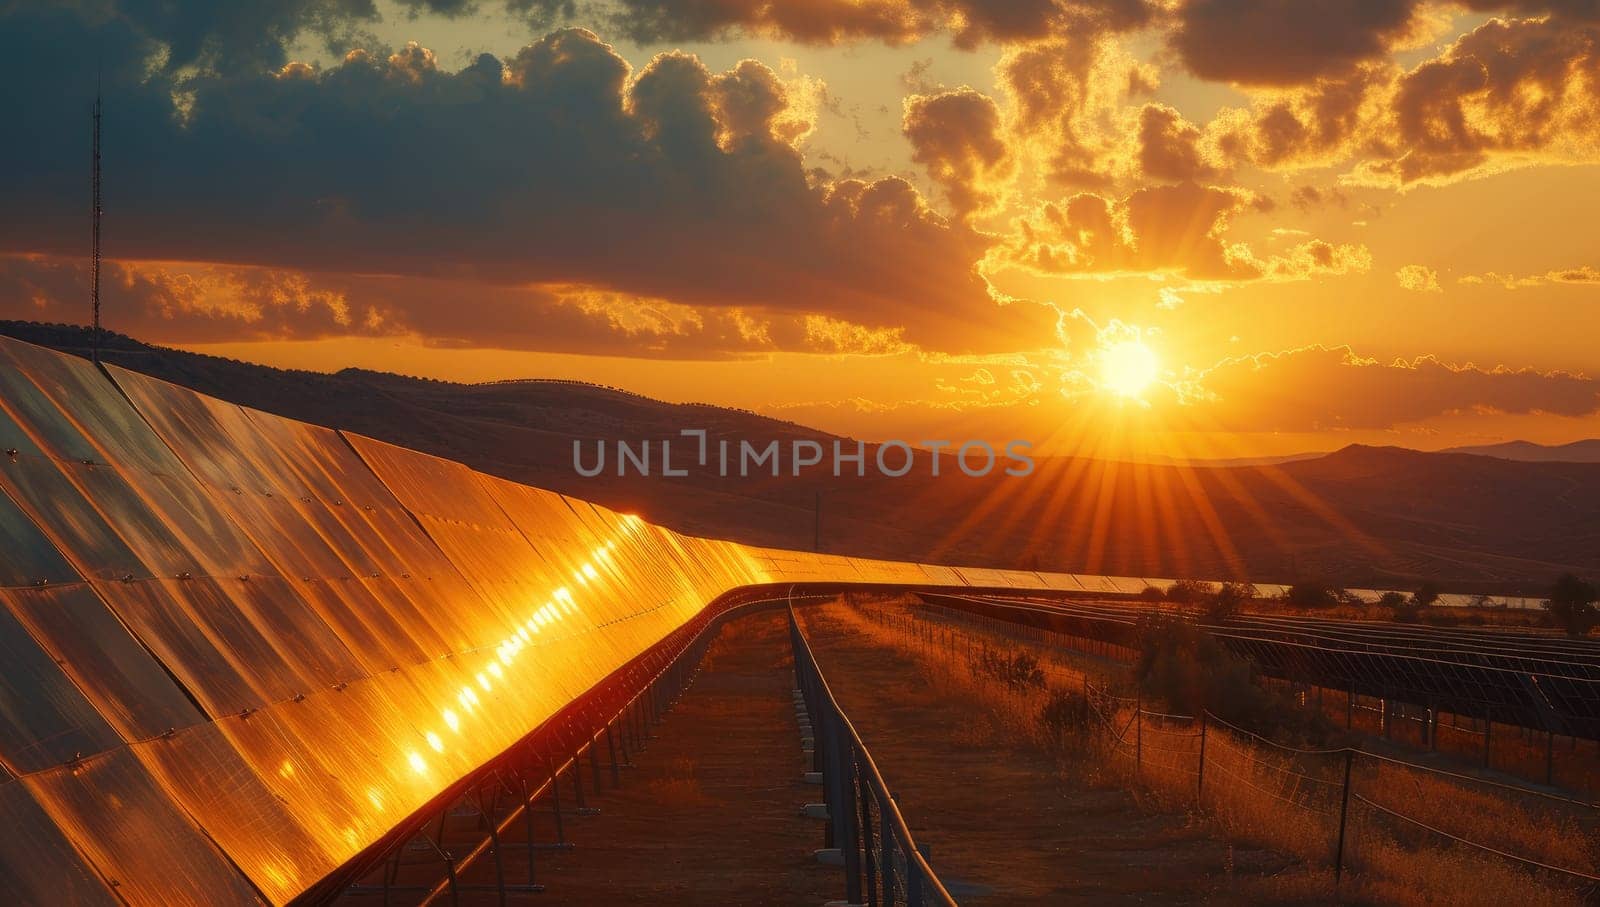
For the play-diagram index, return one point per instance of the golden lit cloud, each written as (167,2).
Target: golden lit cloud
(1418,279)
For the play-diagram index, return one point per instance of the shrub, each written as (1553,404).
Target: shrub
(1312,595)
(1189,591)
(1065,713)
(1570,605)
(1187,668)
(1227,600)
(1392,599)
(1152,594)
(1426,595)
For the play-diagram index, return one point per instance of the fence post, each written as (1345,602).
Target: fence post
(847,839)
(886,848)
(914,878)
(1138,735)
(1200,780)
(1344,815)
(869,862)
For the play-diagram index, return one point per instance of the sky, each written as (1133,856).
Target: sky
(1193,228)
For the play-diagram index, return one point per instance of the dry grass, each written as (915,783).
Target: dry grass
(1258,795)
(1575,764)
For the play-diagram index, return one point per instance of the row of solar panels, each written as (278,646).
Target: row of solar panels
(1503,676)
(237,650)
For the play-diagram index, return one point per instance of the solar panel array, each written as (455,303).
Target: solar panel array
(1544,682)
(236,650)
(239,649)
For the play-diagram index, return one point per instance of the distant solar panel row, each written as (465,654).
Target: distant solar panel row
(1542,682)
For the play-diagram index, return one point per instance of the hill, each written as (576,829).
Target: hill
(1585,451)
(1361,516)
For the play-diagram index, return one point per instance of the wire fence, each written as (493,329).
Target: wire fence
(1354,808)
(882,862)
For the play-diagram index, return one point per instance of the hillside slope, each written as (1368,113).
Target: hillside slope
(1360,516)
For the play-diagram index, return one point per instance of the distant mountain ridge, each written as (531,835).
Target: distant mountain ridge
(1365,517)
(1585,451)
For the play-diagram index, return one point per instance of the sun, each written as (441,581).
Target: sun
(1128,367)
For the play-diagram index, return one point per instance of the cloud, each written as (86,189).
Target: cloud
(1306,390)
(1508,93)
(1418,279)
(1065,96)
(956,136)
(969,22)
(1307,197)
(1176,229)
(1582,274)
(1272,391)
(558,166)
(1322,122)
(1274,42)
(1586,275)
(1169,146)
(186,303)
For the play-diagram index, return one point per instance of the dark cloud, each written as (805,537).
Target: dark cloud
(970,22)
(1313,389)
(1318,122)
(1283,42)
(1169,146)
(1294,42)
(552,167)
(1269,392)
(1508,89)
(197,303)
(957,136)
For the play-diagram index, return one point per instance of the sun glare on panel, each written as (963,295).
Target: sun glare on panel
(1128,367)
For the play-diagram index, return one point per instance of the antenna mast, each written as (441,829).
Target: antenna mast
(94,275)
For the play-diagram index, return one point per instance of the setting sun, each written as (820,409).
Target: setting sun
(1128,367)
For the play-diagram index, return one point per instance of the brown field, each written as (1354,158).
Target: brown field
(1007,821)
(1255,794)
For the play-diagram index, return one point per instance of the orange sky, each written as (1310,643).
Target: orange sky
(1308,227)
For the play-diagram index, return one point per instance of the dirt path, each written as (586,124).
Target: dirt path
(709,815)
(1003,825)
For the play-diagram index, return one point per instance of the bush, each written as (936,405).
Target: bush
(1227,601)
(1152,594)
(1570,605)
(1189,592)
(1405,608)
(1392,599)
(1189,670)
(1065,713)
(1426,595)
(1313,595)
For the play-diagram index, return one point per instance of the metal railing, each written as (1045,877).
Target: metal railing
(865,830)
